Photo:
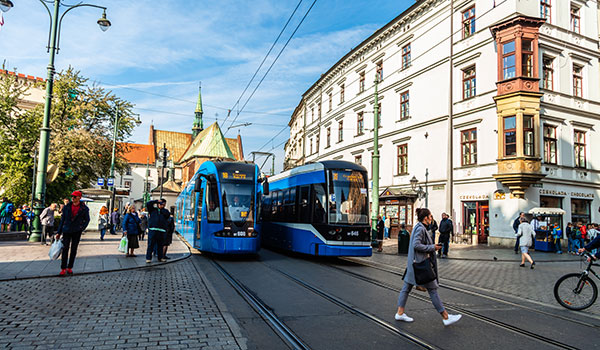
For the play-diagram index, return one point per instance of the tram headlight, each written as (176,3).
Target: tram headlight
(338,237)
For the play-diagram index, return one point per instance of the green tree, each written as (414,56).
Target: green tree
(82,118)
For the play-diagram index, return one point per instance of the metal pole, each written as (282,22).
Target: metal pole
(162,172)
(375,187)
(42,168)
(450,170)
(33,180)
(146,182)
(273,166)
(112,162)
(426,188)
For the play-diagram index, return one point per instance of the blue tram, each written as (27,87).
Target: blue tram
(320,208)
(216,212)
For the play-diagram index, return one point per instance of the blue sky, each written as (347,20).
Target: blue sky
(167,47)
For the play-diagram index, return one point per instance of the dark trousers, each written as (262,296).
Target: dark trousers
(47,231)
(155,244)
(69,240)
(517,249)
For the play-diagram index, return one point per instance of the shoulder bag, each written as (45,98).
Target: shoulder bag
(424,271)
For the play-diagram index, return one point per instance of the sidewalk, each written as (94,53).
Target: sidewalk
(484,253)
(22,259)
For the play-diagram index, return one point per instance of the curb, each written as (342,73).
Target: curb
(185,256)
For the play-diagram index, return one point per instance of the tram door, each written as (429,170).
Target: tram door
(304,203)
(200,202)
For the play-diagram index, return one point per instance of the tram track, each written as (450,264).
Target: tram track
(471,292)
(456,308)
(263,309)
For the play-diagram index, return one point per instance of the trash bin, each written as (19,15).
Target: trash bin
(403,241)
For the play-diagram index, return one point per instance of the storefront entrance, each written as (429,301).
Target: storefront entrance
(476,221)
(581,211)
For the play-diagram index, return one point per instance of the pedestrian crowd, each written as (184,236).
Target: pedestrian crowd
(14,217)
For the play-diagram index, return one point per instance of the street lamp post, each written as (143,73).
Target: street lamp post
(420,192)
(164,154)
(53,48)
(375,187)
(112,160)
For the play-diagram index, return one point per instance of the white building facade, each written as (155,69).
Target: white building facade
(502,115)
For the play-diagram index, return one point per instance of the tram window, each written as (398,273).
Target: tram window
(304,204)
(292,212)
(266,208)
(285,208)
(212,202)
(200,201)
(319,198)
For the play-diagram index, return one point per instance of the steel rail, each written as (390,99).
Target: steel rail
(279,326)
(477,294)
(475,315)
(345,305)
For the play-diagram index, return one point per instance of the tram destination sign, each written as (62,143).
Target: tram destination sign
(235,176)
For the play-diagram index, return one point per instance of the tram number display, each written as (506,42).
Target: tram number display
(239,234)
(235,176)
(347,177)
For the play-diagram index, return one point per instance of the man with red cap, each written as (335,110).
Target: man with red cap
(75,218)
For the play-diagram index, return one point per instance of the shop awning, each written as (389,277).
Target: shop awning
(396,192)
(547,211)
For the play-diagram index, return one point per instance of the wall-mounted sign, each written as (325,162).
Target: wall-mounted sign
(100,181)
(553,192)
(438,187)
(499,195)
(474,197)
(582,195)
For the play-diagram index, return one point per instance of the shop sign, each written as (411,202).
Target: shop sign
(473,197)
(391,201)
(439,187)
(582,195)
(499,195)
(553,192)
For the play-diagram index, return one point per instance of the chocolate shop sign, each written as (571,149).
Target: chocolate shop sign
(564,194)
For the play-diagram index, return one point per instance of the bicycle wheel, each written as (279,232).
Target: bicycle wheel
(575,291)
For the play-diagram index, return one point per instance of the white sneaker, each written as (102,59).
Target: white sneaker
(403,317)
(452,319)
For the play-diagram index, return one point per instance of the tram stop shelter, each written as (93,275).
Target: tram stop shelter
(398,205)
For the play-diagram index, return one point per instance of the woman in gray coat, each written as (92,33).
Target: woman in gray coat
(422,247)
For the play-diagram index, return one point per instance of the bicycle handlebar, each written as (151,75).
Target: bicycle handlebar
(588,255)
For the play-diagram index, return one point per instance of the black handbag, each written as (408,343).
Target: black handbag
(424,272)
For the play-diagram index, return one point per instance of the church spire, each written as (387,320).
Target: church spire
(198,126)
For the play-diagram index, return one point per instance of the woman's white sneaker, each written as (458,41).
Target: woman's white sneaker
(452,319)
(403,317)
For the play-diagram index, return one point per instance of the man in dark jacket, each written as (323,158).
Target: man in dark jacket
(158,225)
(432,228)
(75,218)
(515,226)
(446,229)
(115,221)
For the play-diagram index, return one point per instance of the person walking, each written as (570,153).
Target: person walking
(526,237)
(47,220)
(592,234)
(75,218)
(131,228)
(380,229)
(515,226)
(143,223)
(557,235)
(570,244)
(388,224)
(158,224)
(115,221)
(103,221)
(6,211)
(446,230)
(421,248)
(168,238)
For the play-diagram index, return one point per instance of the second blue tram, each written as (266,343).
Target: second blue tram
(216,211)
(320,208)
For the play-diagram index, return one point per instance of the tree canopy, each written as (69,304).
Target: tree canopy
(81,122)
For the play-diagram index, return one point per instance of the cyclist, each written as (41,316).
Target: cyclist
(592,245)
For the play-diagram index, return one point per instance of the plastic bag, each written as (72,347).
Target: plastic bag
(123,245)
(55,249)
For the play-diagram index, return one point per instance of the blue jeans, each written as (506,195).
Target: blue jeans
(570,245)
(557,245)
(433,294)
(102,233)
(386,232)
(577,243)
(155,243)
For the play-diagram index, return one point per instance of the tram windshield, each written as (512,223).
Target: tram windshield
(238,201)
(347,200)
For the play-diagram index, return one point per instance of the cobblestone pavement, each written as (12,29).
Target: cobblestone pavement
(502,277)
(159,307)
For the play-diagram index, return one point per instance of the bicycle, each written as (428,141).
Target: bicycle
(577,291)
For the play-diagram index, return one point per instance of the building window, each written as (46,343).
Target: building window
(361,82)
(328,137)
(402,159)
(319,109)
(406,56)
(340,131)
(527,58)
(468,22)
(330,102)
(509,65)
(528,136)
(468,82)
(342,92)
(148,186)
(577,80)
(360,123)
(311,148)
(127,184)
(550,144)
(128,171)
(575,20)
(468,142)
(545,10)
(580,161)
(510,136)
(358,160)
(548,74)
(379,71)
(404,105)
(312,113)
